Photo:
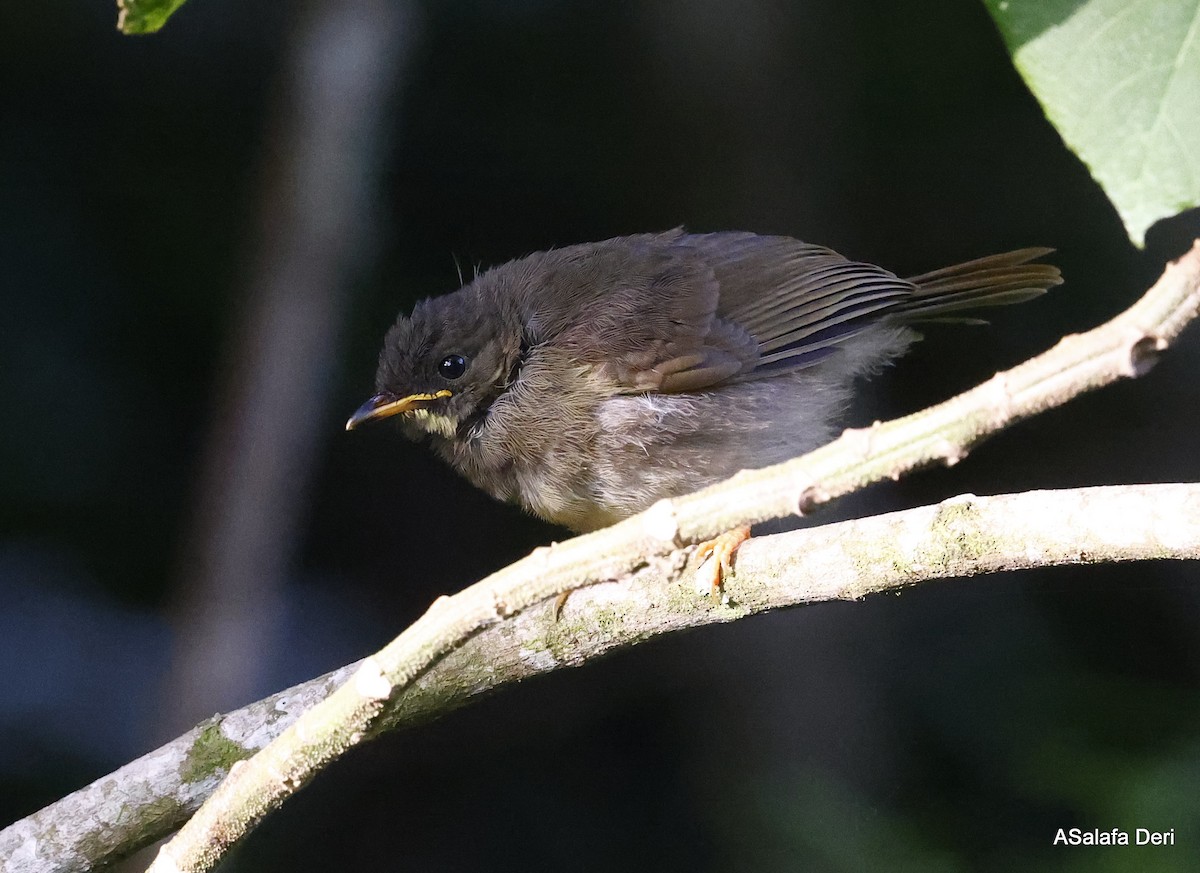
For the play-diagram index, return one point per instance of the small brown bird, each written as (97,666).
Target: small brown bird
(587,382)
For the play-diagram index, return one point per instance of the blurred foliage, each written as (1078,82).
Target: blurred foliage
(1120,79)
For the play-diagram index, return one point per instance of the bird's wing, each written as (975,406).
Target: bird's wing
(641,311)
(674,312)
(798,301)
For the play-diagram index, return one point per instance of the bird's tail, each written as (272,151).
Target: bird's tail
(996,280)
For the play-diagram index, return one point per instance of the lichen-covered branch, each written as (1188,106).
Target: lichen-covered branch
(964,536)
(1126,346)
(149,798)
(960,537)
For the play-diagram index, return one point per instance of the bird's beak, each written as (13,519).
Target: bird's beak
(386,405)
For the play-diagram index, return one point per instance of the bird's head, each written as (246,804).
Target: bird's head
(442,367)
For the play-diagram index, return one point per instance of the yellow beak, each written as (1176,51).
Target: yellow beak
(386,405)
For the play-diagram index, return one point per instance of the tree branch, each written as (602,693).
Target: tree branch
(152,796)
(963,536)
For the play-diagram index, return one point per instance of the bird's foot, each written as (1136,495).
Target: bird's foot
(716,556)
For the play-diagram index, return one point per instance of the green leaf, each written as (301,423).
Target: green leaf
(1120,79)
(144,16)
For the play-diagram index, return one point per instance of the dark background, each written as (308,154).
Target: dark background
(148,196)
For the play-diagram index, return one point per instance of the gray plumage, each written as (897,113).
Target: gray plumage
(601,377)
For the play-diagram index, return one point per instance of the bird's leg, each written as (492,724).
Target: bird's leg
(719,551)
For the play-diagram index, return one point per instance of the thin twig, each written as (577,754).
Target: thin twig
(1124,347)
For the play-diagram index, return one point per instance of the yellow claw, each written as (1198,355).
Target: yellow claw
(721,550)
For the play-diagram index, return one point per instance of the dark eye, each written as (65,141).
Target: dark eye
(452,366)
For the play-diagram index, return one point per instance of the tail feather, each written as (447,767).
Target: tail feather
(1004,259)
(997,280)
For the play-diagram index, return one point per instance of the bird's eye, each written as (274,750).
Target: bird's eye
(452,366)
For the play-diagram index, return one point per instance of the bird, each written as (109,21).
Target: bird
(587,382)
